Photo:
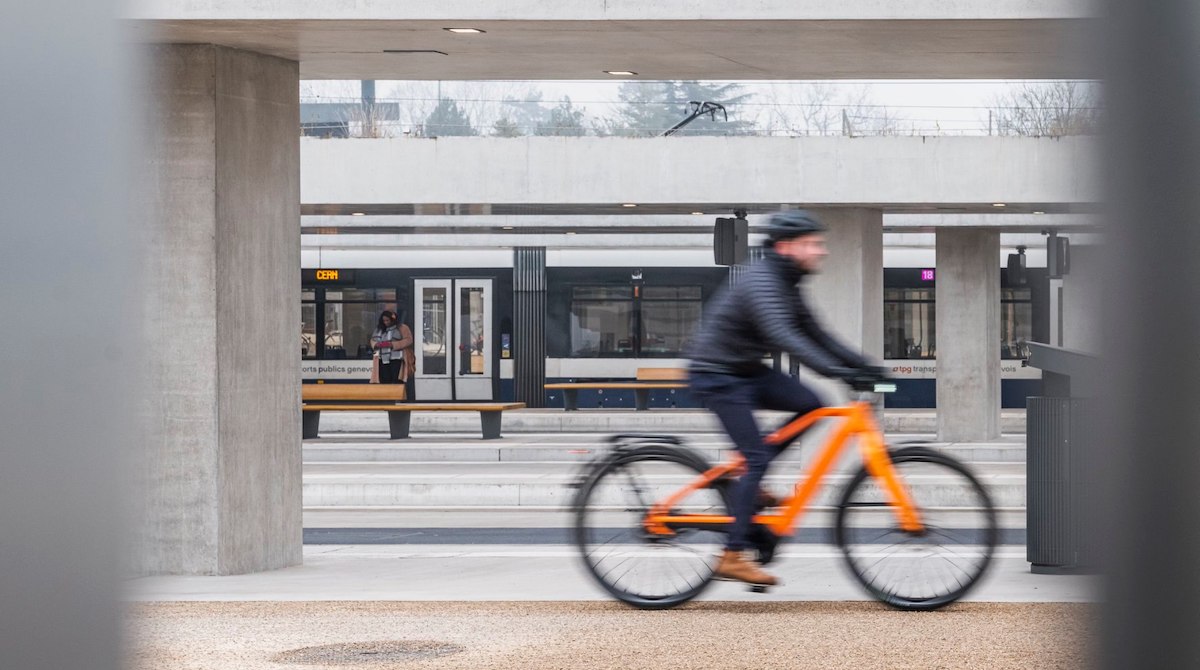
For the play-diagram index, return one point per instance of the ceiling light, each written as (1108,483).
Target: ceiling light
(508,227)
(1038,212)
(998,204)
(629,204)
(697,213)
(621,73)
(357,214)
(570,232)
(465,31)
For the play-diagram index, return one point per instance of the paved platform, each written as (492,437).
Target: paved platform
(613,421)
(488,572)
(518,484)
(579,446)
(700,636)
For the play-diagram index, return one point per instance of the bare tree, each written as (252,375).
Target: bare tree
(1051,109)
(371,121)
(820,108)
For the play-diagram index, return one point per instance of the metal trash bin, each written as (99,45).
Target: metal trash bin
(1060,473)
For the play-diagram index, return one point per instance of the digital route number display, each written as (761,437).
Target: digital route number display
(328,276)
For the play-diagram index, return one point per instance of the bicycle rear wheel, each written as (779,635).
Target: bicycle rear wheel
(637,567)
(928,569)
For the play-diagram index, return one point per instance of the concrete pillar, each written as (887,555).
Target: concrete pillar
(221,473)
(848,293)
(968,335)
(1083,301)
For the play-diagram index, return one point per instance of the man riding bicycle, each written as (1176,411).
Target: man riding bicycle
(764,313)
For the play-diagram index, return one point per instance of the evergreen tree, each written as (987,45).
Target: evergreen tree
(651,108)
(506,127)
(447,120)
(526,111)
(565,120)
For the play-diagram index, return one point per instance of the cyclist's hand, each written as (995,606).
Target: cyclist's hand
(863,382)
(881,373)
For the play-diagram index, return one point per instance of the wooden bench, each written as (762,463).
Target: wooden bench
(648,379)
(388,398)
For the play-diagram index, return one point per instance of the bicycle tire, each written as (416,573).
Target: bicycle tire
(974,542)
(594,497)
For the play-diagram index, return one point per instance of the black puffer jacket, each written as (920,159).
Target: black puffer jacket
(762,314)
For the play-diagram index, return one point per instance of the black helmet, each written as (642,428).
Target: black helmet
(792,223)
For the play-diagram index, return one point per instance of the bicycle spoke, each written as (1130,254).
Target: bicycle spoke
(632,564)
(918,570)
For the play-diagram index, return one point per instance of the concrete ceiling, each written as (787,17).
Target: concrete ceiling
(867,47)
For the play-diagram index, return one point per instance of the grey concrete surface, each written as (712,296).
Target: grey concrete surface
(220,479)
(578,447)
(968,173)
(358,425)
(554,572)
(549,484)
(580,39)
(702,636)
(526,518)
(968,335)
(848,292)
(1083,305)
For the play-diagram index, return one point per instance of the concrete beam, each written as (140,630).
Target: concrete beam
(878,172)
(221,473)
(691,39)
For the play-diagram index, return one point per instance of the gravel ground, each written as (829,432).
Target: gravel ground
(724,635)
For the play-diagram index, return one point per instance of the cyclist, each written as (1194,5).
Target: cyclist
(762,314)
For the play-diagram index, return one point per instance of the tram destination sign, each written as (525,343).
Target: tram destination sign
(327,276)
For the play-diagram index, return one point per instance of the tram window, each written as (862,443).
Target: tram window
(669,315)
(308,330)
(348,327)
(602,327)
(433,331)
(909,323)
(602,321)
(605,320)
(1016,322)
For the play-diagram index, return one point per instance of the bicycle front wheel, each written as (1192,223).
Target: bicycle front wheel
(640,568)
(921,570)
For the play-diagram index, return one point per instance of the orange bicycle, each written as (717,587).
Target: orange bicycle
(915,526)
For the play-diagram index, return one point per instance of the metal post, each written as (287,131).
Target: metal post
(529,325)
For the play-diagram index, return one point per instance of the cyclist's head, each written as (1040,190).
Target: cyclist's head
(799,236)
(790,224)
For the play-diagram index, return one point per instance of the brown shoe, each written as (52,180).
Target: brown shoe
(737,567)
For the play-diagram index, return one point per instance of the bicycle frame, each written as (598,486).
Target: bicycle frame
(859,422)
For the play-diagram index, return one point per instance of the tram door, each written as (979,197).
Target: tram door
(453,339)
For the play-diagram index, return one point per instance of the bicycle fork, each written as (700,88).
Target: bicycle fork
(879,464)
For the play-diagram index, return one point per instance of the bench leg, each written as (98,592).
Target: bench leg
(570,399)
(641,399)
(310,425)
(398,423)
(491,424)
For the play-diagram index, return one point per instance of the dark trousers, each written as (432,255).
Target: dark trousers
(733,399)
(389,373)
